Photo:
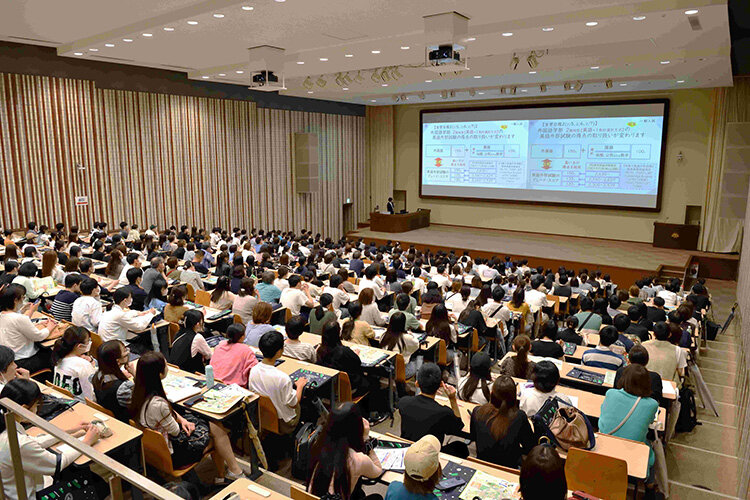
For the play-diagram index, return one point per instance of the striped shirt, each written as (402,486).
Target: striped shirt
(602,357)
(62,307)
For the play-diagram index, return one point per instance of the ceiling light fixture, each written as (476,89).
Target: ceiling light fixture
(405,47)
(279,1)
(514,61)
(480,93)
(324,59)
(477,76)
(345,88)
(664,62)
(348,55)
(222,74)
(373,100)
(168,28)
(508,34)
(192,23)
(680,81)
(532,72)
(471,39)
(94,50)
(639,18)
(543,87)
(548,29)
(205,77)
(428,81)
(300,62)
(308,83)
(321,82)
(691,12)
(591,23)
(578,86)
(310,92)
(383,84)
(247,7)
(127,40)
(219,16)
(375,51)
(524,90)
(623,85)
(148,35)
(109,44)
(77,53)
(239,71)
(594,67)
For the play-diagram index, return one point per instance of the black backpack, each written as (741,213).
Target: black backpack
(688,417)
(304,440)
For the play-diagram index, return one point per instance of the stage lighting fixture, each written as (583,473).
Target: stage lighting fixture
(359,78)
(472,92)
(395,98)
(543,88)
(502,90)
(513,91)
(375,77)
(421,95)
(398,73)
(567,86)
(532,61)
(514,61)
(452,93)
(608,84)
(385,76)
(321,82)
(444,94)
(338,80)
(578,86)
(347,79)
(308,83)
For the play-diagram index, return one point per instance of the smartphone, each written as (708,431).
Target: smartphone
(449,483)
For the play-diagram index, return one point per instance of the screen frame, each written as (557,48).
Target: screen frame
(664,101)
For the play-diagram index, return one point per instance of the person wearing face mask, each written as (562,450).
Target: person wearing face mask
(190,351)
(20,334)
(37,460)
(112,382)
(73,365)
(8,368)
(116,322)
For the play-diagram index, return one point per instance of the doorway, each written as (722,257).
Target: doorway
(399,200)
(348,217)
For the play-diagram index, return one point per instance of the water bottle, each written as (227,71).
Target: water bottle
(209,376)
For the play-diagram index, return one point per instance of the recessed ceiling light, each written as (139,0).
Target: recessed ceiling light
(205,77)
(594,67)
(664,62)
(168,28)
(508,34)
(348,55)
(127,40)
(247,7)
(375,51)
(680,81)
(324,59)
(77,53)
(404,47)
(471,39)
(218,16)
(300,62)
(94,50)
(623,85)
(372,100)
(591,23)
(532,72)
(109,45)
(524,90)
(477,76)
(192,23)
(383,84)
(480,93)
(549,28)
(239,71)
(309,91)
(279,1)
(345,88)
(148,35)
(639,18)
(428,81)
(691,12)
(222,74)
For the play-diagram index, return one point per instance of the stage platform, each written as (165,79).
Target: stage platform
(625,261)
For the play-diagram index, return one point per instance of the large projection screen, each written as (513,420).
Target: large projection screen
(607,155)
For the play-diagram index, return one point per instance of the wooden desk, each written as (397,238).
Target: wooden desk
(122,433)
(399,223)
(291,365)
(240,486)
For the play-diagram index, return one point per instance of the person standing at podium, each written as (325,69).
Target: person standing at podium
(390,207)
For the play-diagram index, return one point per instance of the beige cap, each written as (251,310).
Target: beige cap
(422,458)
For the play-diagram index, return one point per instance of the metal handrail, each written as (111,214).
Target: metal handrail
(118,470)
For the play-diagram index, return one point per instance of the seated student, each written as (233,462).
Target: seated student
(699,297)
(10,273)
(402,303)
(519,365)
(397,339)
(246,300)
(221,296)
(422,472)
(606,354)
(232,359)
(628,412)
(20,334)
(111,382)
(26,272)
(150,408)
(337,290)
(562,289)
(332,353)
(499,428)
(132,261)
(354,329)
(37,460)
(546,345)
(407,287)
(570,333)
(157,297)
(190,276)
(139,295)
(587,318)
(634,293)
(176,308)
(200,259)
(637,328)
(458,303)
(342,455)
(259,325)
(267,380)
(73,366)
(670,294)
(542,475)
(321,314)
(115,323)
(370,312)
(9,370)
(665,358)
(190,351)
(422,415)
(475,386)
(267,291)
(546,376)
(87,309)
(621,322)
(638,355)
(293,347)
(518,304)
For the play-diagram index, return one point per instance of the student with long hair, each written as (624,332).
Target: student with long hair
(246,300)
(151,408)
(50,267)
(259,325)
(499,428)
(518,305)
(9,370)
(73,365)
(190,350)
(370,312)
(396,338)
(543,475)
(343,454)
(175,308)
(232,359)
(332,353)
(221,296)
(37,460)
(322,313)
(157,296)
(519,365)
(354,329)
(111,382)
(475,386)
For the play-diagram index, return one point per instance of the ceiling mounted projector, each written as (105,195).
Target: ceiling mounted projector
(443,32)
(264,59)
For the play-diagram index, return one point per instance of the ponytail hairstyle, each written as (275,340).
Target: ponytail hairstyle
(21,391)
(521,346)
(73,336)
(479,374)
(355,311)
(502,408)
(325,300)
(234,334)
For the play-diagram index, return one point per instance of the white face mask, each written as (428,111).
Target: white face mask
(87,346)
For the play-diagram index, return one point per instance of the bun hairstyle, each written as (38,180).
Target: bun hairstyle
(190,319)
(21,391)
(73,336)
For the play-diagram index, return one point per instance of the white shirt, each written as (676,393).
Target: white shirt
(281,283)
(116,322)
(419,285)
(123,274)
(340,297)
(87,312)
(670,298)
(496,311)
(293,299)
(535,299)
(365,283)
(443,281)
(532,399)
(478,396)
(271,382)
(37,462)
(19,333)
(74,374)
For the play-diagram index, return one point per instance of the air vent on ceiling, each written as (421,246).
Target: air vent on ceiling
(695,23)
(33,40)
(118,59)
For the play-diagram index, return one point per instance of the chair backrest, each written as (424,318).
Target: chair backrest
(59,389)
(426,310)
(174,328)
(556,300)
(99,407)
(238,320)
(298,494)
(345,387)
(190,292)
(155,450)
(269,417)
(96,341)
(400,369)
(203,298)
(279,316)
(597,475)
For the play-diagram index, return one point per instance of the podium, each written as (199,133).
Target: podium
(678,236)
(399,223)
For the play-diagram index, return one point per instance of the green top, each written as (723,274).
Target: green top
(617,403)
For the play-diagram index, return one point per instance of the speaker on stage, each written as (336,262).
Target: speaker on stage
(306,169)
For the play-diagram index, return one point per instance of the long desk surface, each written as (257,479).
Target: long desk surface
(241,488)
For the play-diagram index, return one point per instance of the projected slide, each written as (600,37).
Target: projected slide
(608,155)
